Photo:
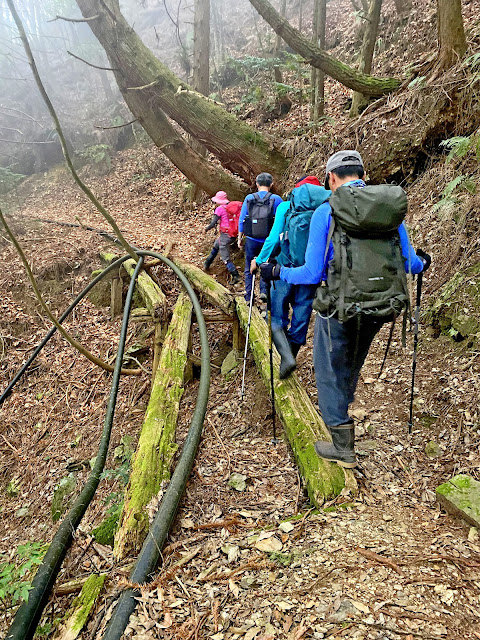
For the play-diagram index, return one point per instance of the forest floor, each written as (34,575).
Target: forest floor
(387,563)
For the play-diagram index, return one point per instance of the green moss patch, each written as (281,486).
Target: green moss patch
(460,496)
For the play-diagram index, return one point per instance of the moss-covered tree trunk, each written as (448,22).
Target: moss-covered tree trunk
(77,616)
(302,422)
(156,445)
(152,295)
(215,293)
(239,148)
(317,57)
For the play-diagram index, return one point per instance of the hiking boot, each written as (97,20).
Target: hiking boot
(235,277)
(295,347)
(208,262)
(288,362)
(341,449)
(263,297)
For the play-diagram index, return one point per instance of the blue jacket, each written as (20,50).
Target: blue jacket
(243,213)
(314,270)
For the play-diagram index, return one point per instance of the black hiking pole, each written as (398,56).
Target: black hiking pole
(270,350)
(248,333)
(416,321)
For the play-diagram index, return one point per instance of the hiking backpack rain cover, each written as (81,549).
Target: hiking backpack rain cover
(294,239)
(233,210)
(367,272)
(259,220)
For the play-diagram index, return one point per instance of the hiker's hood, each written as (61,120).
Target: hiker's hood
(308,197)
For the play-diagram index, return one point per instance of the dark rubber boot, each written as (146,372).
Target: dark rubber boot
(295,347)
(341,449)
(208,262)
(288,362)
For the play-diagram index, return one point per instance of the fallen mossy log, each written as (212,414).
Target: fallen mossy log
(76,617)
(215,293)
(153,296)
(302,422)
(156,445)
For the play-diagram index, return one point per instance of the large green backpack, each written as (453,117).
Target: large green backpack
(367,272)
(294,239)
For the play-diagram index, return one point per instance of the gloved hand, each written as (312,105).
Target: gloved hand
(270,271)
(427,259)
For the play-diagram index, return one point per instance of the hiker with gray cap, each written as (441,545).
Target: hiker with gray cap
(358,253)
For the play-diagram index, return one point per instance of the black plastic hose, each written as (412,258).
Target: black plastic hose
(150,553)
(64,315)
(29,614)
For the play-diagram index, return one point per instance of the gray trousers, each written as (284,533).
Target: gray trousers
(339,351)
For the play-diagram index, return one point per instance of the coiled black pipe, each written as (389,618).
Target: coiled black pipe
(29,614)
(150,553)
(64,315)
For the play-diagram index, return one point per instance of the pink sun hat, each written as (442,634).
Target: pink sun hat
(220,198)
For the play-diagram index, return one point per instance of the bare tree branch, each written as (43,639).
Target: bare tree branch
(73,19)
(128,248)
(116,126)
(28,141)
(90,64)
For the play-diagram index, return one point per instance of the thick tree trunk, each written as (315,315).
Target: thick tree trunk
(278,43)
(201,66)
(208,176)
(368,48)
(238,147)
(319,58)
(318,76)
(201,47)
(451,34)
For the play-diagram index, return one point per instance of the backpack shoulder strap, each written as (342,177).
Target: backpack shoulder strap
(329,239)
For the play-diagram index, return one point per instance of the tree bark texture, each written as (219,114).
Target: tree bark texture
(208,176)
(451,34)
(201,47)
(303,425)
(320,59)
(156,445)
(215,292)
(318,76)
(368,49)
(238,147)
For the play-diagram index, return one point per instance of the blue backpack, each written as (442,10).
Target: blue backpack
(294,239)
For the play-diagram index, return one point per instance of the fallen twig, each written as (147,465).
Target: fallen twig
(375,557)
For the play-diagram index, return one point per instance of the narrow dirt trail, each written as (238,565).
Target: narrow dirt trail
(384,564)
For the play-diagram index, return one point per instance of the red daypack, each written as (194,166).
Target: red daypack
(233,210)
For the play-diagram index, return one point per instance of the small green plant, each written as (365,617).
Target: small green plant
(15,577)
(461,146)
(97,154)
(13,487)
(449,199)
(9,180)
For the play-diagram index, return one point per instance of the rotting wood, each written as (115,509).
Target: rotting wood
(153,296)
(215,293)
(302,422)
(77,615)
(156,445)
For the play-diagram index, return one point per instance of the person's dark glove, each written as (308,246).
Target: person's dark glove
(212,224)
(270,271)
(427,259)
